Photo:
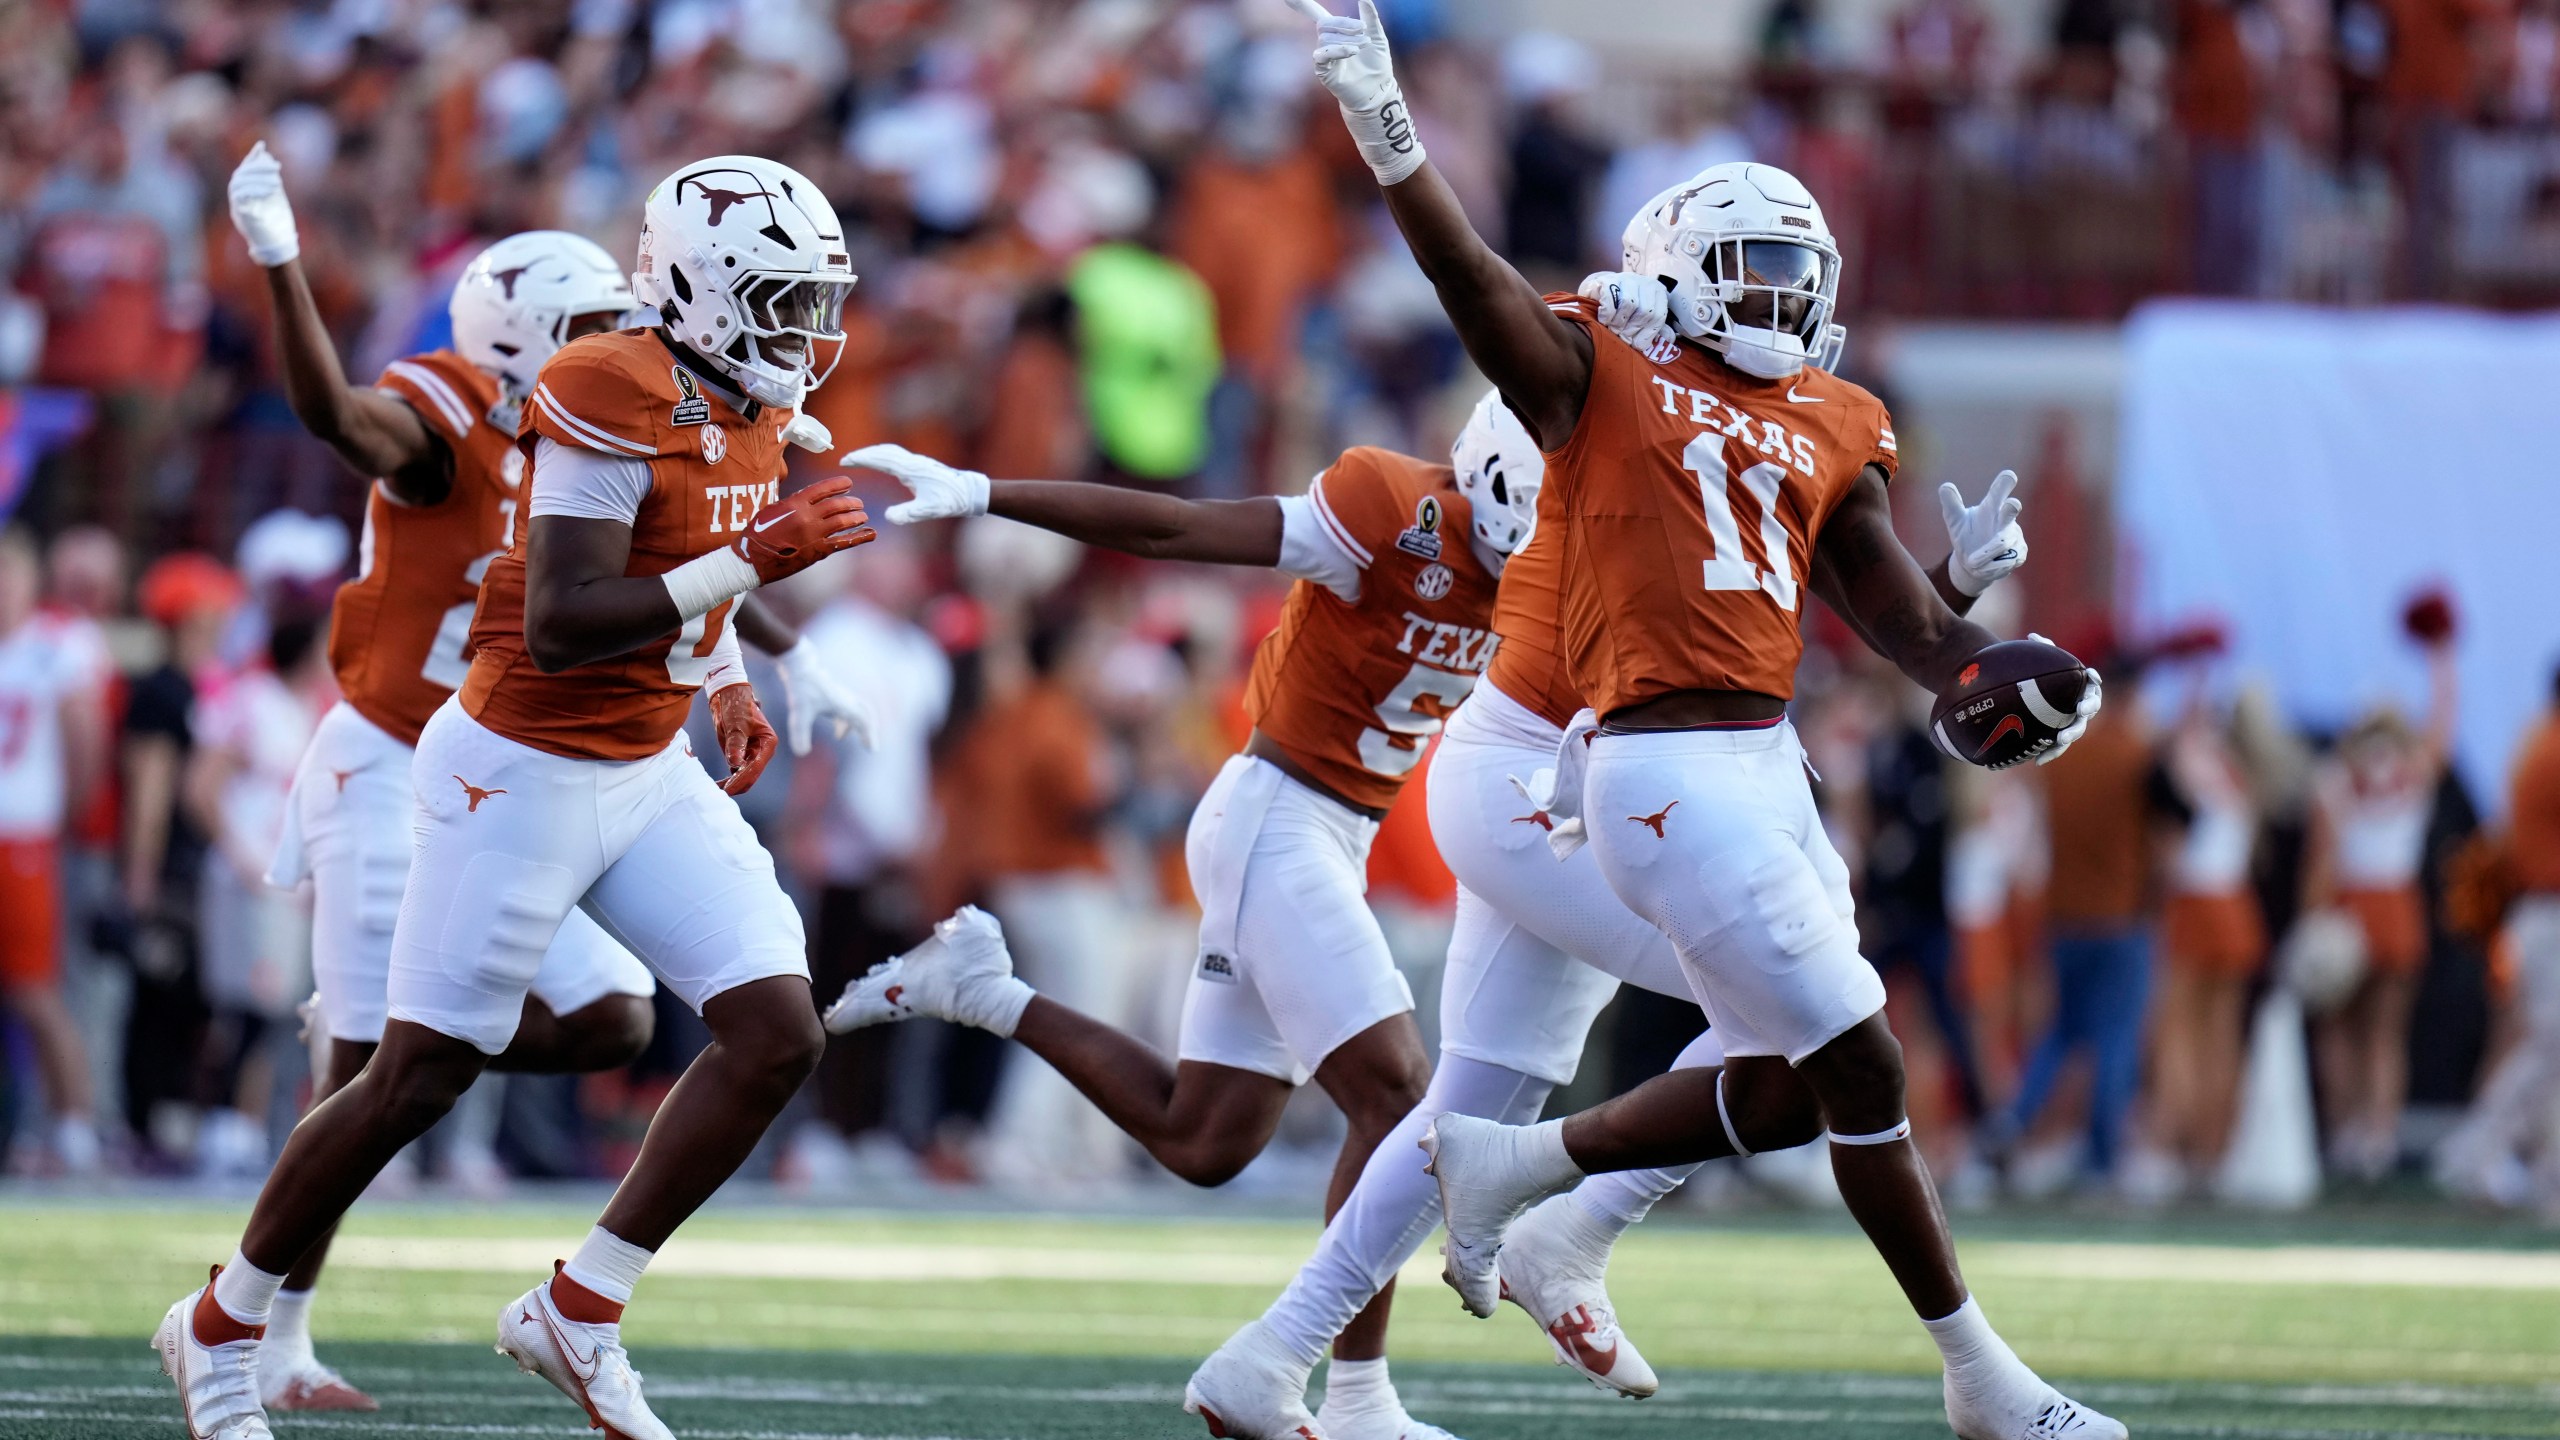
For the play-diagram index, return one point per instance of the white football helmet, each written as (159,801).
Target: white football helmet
(1750,264)
(746,263)
(1500,472)
(515,300)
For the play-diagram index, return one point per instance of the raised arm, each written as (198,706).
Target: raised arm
(1540,362)
(376,433)
(1138,522)
(1861,570)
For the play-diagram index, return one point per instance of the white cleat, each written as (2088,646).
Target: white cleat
(1388,1422)
(1482,1190)
(961,974)
(1555,1265)
(586,1362)
(217,1383)
(1252,1389)
(2025,1409)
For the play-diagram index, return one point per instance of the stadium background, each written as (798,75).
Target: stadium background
(2243,289)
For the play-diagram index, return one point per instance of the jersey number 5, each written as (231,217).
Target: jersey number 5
(1728,568)
(1412,713)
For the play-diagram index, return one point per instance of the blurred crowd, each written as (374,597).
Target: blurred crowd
(1118,239)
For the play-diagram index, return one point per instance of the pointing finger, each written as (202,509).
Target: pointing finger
(1950,505)
(1310,9)
(2003,485)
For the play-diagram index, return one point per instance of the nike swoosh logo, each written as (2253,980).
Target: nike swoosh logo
(1803,399)
(584,1370)
(764,525)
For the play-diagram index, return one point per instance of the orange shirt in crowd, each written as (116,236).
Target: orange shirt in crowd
(1035,429)
(1262,238)
(1031,791)
(2431,64)
(2216,87)
(2534,801)
(2097,807)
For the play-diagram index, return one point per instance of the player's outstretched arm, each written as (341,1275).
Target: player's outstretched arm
(1139,522)
(377,434)
(1541,364)
(1861,570)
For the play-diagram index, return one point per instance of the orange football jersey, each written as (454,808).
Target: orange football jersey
(1353,692)
(1691,494)
(397,631)
(1529,663)
(711,467)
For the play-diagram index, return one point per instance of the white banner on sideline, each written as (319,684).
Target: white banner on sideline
(2301,472)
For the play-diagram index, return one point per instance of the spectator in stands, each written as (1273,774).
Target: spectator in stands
(52,748)
(2516,1118)
(2371,807)
(2101,801)
(191,599)
(85,588)
(1555,160)
(862,818)
(2213,941)
(1042,779)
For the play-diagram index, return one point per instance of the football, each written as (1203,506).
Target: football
(2008,703)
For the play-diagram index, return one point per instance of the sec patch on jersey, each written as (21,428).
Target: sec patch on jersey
(2009,703)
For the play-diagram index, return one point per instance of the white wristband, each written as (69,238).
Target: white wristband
(705,580)
(1386,138)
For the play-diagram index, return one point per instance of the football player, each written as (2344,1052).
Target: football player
(439,429)
(1538,948)
(557,777)
(1387,628)
(1703,487)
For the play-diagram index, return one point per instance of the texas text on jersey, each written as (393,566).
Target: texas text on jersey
(712,464)
(1353,692)
(1692,494)
(397,631)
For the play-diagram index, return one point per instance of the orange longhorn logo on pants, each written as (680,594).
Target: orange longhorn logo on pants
(1654,820)
(474,793)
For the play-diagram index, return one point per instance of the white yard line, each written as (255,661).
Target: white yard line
(2307,1266)
(2303,1265)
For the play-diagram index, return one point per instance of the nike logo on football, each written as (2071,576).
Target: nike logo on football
(1803,399)
(2009,725)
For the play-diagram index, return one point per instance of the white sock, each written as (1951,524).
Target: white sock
(609,1265)
(1001,1003)
(289,1324)
(1358,1385)
(1616,1201)
(1539,1151)
(245,1292)
(1390,1212)
(1967,1342)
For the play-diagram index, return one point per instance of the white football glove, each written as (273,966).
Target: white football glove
(259,209)
(1352,62)
(942,492)
(2080,717)
(1984,542)
(810,695)
(1636,308)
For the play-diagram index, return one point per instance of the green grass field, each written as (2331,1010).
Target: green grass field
(777,1324)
